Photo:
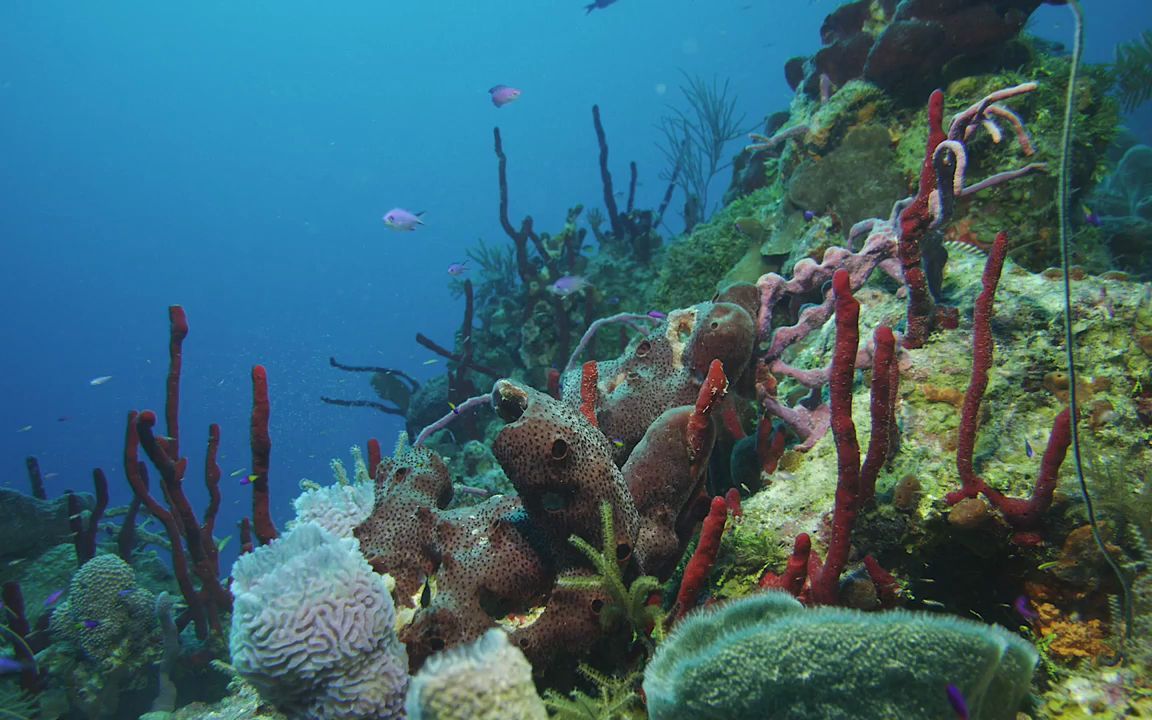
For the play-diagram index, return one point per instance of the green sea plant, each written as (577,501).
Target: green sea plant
(1063,204)
(627,602)
(616,698)
(694,138)
(1133,69)
(767,657)
(15,704)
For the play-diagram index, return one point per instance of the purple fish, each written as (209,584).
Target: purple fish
(656,314)
(1091,217)
(567,285)
(90,624)
(10,665)
(809,216)
(125,593)
(503,94)
(247,479)
(1023,608)
(401,219)
(1028,448)
(458,269)
(51,599)
(957,701)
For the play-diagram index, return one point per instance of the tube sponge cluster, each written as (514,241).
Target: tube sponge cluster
(768,658)
(313,629)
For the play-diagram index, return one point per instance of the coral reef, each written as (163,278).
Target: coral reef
(312,629)
(487,679)
(767,657)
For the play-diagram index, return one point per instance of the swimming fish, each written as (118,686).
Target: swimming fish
(26,428)
(503,94)
(597,5)
(401,219)
(809,216)
(248,479)
(1028,448)
(455,410)
(99,380)
(657,315)
(90,624)
(568,285)
(52,598)
(10,665)
(1091,217)
(237,472)
(433,361)
(957,701)
(1023,608)
(458,269)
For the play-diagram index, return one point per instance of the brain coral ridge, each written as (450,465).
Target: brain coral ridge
(313,629)
(104,610)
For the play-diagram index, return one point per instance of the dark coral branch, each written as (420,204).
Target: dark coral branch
(914,223)
(261,445)
(606,175)
(177,331)
(363,403)
(449,355)
(35,479)
(12,610)
(126,538)
(137,476)
(413,384)
(1024,515)
(631,187)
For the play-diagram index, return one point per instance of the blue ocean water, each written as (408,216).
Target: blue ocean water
(236,158)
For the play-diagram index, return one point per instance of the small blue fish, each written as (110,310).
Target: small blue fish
(125,593)
(1023,608)
(52,598)
(809,216)
(10,665)
(401,219)
(90,624)
(1028,448)
(597,5)
(957,701)
(1091,217)
(458,269)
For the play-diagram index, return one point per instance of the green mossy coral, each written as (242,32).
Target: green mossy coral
(767,657)
(693,266)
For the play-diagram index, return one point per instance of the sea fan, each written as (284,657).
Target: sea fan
(1133,68)
(15,704)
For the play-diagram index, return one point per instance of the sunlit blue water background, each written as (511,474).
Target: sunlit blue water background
(236,158)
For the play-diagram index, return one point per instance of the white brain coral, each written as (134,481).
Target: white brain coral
(336,508)
(313,629)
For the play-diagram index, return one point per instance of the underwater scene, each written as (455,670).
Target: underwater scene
(624,359)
